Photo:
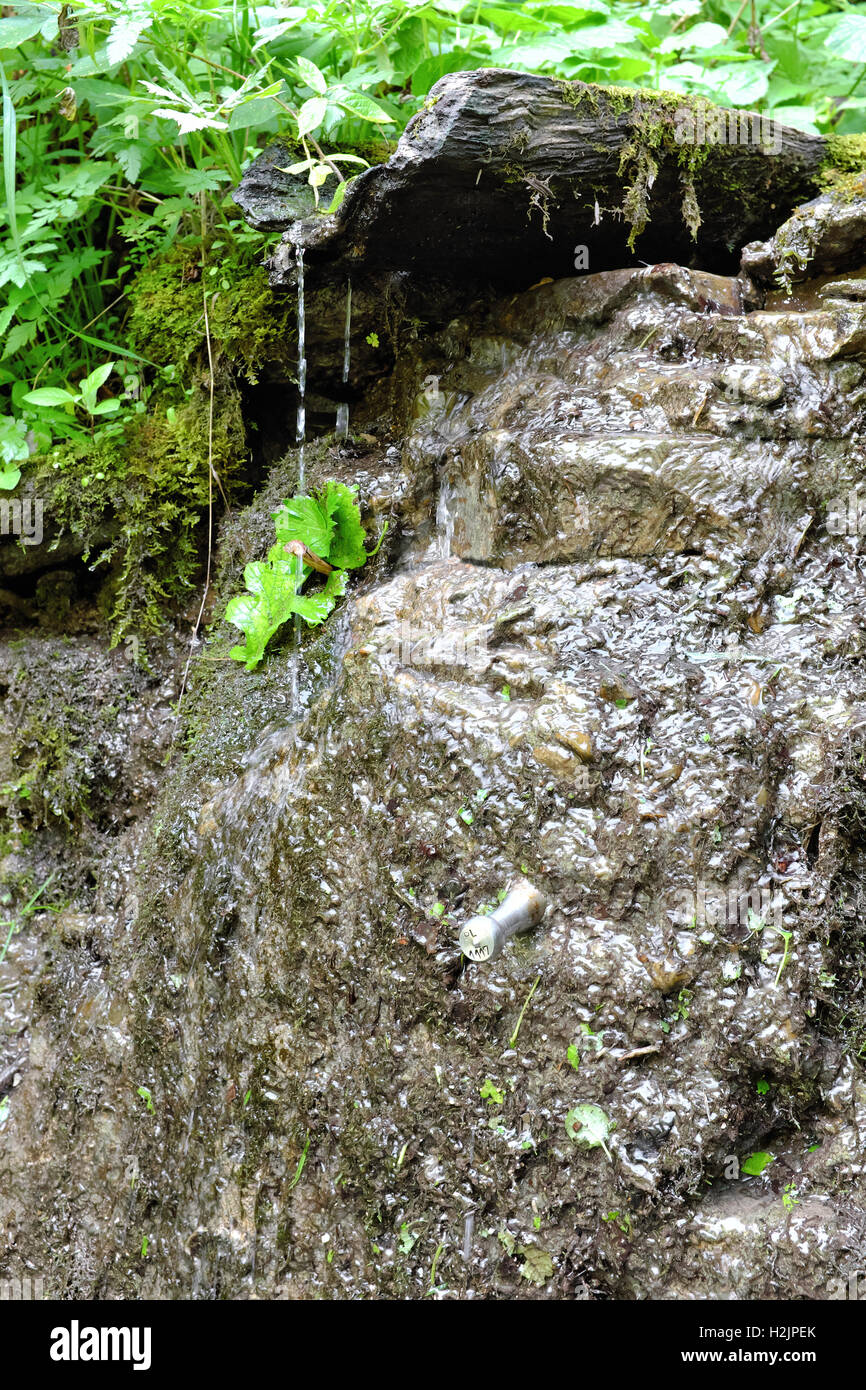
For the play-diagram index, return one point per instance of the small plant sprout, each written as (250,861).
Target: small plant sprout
(491,1093)
(146,1097)
(589,1126)
(789,1197)
(573,1056)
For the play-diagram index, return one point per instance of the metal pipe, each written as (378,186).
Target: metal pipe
(483,938)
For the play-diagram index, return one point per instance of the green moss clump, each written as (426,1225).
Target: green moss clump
(248,323)
(137,501)
(844,170)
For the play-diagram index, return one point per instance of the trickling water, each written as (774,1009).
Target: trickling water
(444,520)
(343,407)
(301,430)
(300,437)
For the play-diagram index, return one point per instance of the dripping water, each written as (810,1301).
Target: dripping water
(300,440)
(343,407)
(444,520)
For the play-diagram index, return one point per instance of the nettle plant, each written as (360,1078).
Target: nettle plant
(317,533)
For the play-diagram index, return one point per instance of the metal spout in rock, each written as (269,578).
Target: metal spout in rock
(483,938)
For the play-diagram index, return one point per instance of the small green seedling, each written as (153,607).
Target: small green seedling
(492,1093)
(146,1097)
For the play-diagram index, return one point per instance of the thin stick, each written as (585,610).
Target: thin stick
(211,474)
(513,1039)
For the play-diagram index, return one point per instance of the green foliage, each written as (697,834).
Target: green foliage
(491,1093)
(755,1163)
(589,1125)
(328,524)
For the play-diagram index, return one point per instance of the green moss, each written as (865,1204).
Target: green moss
(137,501)
(844,169)
(249,324)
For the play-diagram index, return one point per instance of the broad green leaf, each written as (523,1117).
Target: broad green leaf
(756,1162)
(848,38)
(48,395)
(311,114)
(359,104)
(18,29)
(314,608)
(312,76)
(537,1265)
(699,36)
(91,384)
(269,604)
(9,478)
(590,1126)
(347,544)
(304,519)
(251,114)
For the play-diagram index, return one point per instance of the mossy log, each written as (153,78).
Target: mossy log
(503,174)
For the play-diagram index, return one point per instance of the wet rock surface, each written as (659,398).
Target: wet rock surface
(613,644)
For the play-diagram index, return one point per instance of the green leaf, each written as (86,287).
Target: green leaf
(269,603)
(537,1265)
(48,395)
(347,545)
(590,1126)
(311,114)
(312,76)
(91,384)
(848,38)
(491,1093)
(755,1163)
(125,33)
(305,519)
(18,29)
(359,104)
(9,478)
(573,1056)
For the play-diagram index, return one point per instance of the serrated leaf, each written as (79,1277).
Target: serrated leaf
(305,519)
(537,1265)
(188,120)
(590,1126)
(347,545)
(125,33)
